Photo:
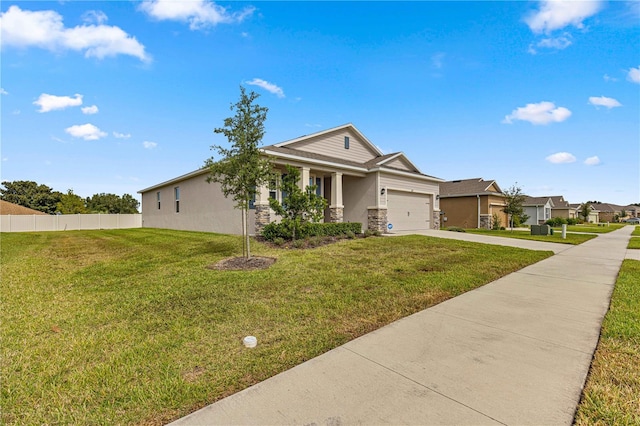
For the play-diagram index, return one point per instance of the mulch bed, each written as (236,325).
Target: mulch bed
(243,264)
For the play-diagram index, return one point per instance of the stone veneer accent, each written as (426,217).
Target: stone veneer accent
(486,221)
(377,220)
(436,220)
(336,214)
(263,217)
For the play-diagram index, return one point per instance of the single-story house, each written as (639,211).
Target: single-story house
(612,212)
(562,208)
(472,203)
(384,192)
(594,215)
(538,209)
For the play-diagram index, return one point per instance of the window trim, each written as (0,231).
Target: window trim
(176,193)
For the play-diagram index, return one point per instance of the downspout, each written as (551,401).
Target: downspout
(478,210)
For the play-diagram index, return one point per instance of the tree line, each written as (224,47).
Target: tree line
(44,199)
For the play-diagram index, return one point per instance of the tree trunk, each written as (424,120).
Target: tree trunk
(246,230)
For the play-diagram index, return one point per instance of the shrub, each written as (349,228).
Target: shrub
(299,243)
(278,241)
(502,228)
(556,222)
(495,225)
(572,221)
(456,229)
(350,234)
(309,229)
(371,233)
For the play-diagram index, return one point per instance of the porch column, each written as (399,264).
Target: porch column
(336,208)
(262,210)
(304,177)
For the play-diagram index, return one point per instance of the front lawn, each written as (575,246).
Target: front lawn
(130,327)
(592,228)
(526,235)
(612,392)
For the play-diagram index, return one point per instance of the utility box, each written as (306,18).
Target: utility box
(545,230)
(535,229)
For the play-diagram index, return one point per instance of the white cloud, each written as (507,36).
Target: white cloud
(45,29)
(592,161)
(437,60)
(557,43)
(607,78)
(3,92)
(93,109)
(270,87)
(149,145)
(634,75)
(561,158)
(540,113)
(199,14)
(94,17)
(604,101)
(88,132)
(121,135)
(557,14)
(48,102)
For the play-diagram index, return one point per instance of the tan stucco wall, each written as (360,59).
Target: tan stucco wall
(463,211)
(460,211)
(358,194)
(203,207)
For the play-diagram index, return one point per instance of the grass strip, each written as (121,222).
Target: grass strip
(574,239)
(612,392)
(129,327)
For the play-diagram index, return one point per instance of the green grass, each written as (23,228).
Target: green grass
(634,243)
(591,228)
(612,392)
(526,235)
(636,231)
(129,327)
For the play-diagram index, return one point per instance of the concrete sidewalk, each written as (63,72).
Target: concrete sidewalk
(515,351)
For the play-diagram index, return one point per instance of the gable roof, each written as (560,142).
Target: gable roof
(537,201)
(468,187)
(559,202)
(7,208)
(349,126)
(396,162)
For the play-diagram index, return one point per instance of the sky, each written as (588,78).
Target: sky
(117,96)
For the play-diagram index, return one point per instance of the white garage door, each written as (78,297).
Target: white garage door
(407,211)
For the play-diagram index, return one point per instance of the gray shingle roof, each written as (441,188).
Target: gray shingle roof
(466,187)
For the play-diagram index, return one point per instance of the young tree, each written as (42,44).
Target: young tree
(585,210)
(514,198)
(71,203)
(298,206)
(242,169)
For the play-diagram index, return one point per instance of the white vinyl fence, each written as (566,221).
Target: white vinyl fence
(68,222)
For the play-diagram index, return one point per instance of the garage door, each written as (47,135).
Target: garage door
(407,211)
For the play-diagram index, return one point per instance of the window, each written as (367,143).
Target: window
(346,142)
(317,181)
(176,190)
(158,197)
(273,189)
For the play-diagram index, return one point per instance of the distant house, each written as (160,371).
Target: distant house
(562,208)
(594,215)
(360,183)
(612,212)
(7,208)
(538,209)
(472,203)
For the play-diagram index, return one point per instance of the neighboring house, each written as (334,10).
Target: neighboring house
(7,208)
(594,216)
(538,209)
(472,203)
(360,183)
(613,212)
(562,208)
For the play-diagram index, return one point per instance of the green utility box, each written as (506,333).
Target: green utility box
(535,229)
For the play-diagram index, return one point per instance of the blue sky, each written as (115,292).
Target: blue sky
(116,96)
